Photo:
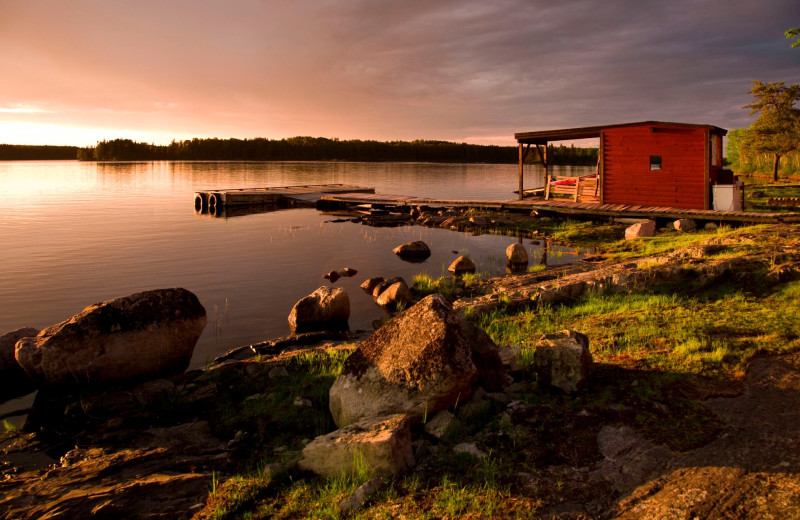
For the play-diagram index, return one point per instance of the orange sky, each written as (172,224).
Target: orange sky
(85,70)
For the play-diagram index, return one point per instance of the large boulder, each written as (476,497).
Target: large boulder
(14,382)
(327,308)
(413,251)
(145,334)
(418,363)
(379,446)
(562,360)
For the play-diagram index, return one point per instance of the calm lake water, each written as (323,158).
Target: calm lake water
(74,234)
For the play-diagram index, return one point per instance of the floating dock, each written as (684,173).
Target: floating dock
(560,206)
(214,201)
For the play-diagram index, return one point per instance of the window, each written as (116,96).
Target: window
(655,162)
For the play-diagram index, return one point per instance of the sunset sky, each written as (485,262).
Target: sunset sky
(78,71)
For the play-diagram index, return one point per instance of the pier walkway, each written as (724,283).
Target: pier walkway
(212,201)
(561,207)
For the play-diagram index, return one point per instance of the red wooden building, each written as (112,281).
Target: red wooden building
(649,163)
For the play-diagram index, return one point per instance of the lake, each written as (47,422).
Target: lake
(75,233)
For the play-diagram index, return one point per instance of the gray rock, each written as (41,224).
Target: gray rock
(381,446)
(419,361)
(510,356)
(562,360)
(146,334)
(641,230)
(470,448)
(150,393)
(302,402)
(364,492)
(685,224)
(276,372)
(441,425)
(327,308)
(630,459)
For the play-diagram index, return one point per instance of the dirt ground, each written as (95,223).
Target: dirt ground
(751,470)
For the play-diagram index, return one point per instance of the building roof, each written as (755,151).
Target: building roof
(588,132)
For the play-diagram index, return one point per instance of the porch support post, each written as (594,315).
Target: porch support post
(543,155)
(521,161)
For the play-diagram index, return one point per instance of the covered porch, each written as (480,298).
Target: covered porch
(586,189)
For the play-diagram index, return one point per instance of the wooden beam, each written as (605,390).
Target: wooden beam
(706,172)
(543,157)
(521,160)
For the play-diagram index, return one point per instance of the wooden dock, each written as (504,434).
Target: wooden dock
(212,201)
(563,207)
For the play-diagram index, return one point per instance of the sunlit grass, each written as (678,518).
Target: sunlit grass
(669,332)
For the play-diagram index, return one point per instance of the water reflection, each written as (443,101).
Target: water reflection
(75,234)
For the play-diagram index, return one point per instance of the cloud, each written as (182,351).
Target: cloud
(389,70)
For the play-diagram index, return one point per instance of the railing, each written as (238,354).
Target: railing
(580,189)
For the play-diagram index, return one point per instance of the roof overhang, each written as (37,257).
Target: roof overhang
(589,132)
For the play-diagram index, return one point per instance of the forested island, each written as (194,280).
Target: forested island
(296,149)
(23,152)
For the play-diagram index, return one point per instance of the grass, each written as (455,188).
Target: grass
(424,285)
(769,191)
(707,334)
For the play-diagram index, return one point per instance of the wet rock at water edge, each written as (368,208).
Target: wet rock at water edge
(327,308)
(517,258)
(462,265)
(416,251)
(395,297)
(385,284)
(143,335)
(369,284)
(14,382)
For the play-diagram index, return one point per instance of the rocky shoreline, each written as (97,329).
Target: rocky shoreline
(157,448)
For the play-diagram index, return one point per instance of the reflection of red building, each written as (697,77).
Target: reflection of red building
(649,163)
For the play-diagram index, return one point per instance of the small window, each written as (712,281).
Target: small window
(655,162)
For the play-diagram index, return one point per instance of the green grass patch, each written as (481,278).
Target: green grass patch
(423,285)
(711,334)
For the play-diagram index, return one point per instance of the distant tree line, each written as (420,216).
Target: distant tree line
(323,149)
(23,152)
